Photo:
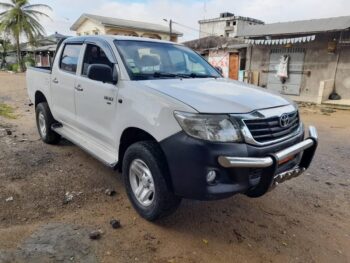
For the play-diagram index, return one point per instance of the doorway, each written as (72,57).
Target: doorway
(233,66)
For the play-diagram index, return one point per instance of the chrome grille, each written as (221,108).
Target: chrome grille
(268,129)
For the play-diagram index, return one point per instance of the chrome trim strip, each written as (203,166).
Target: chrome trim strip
(292,150)
(263,162)
(229,162)
(313,132)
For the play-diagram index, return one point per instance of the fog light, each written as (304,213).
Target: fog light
(211,176)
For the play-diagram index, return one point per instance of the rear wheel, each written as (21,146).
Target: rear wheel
(144,173)
(44,120)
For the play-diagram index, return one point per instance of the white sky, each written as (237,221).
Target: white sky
(65,12)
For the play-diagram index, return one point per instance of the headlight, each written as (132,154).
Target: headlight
(216,128)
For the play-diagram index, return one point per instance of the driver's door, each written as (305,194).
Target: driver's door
(95,101)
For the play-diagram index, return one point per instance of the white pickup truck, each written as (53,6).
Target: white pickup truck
(164,117)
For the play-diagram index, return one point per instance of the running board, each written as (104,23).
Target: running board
(104,155)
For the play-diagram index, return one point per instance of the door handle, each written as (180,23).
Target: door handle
(55,80)
(79,88)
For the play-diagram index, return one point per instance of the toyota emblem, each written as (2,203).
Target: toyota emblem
(284,120)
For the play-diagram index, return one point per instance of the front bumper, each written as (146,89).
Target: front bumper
(272,162)
(190,159)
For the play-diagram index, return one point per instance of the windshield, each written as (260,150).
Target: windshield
(153,60)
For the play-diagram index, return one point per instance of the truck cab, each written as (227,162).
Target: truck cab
(168,120)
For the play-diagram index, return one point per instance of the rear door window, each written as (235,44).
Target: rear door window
(69,58)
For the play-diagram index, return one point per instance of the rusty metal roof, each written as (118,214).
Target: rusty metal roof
(297,27)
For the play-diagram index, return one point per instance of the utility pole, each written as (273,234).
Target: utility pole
(170,27)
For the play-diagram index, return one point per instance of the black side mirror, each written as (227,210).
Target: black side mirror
(219,69)
(101,72)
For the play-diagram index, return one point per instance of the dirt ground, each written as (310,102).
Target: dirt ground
(306,219)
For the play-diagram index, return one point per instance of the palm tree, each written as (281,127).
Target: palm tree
(4,47)
(20,18)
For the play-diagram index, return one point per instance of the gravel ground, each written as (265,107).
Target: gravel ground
(306,219)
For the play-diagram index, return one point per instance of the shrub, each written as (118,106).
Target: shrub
(15,67)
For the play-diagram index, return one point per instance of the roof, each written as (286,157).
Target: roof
(46,48)
(297,27)
(117,37)
(122,23)
(215,42)
(243,18)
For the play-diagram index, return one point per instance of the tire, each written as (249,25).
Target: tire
(44,117)
(162,202)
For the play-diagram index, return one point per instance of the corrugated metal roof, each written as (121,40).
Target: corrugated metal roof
(117,22)
(297,27)
(215,42)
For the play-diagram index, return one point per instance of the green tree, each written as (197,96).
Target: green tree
(20,18)
(5,45)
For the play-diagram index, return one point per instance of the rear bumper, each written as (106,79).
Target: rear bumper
(240,167)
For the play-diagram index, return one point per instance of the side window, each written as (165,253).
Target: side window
(69,57)
(193,66)
(94,55)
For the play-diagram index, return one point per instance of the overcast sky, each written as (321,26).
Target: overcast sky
(65,12)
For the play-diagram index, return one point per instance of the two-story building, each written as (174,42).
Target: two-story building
(88,24)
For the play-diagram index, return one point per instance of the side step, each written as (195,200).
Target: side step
(107,156)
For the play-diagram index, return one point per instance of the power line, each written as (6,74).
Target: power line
(209,34)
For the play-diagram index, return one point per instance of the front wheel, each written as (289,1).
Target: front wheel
(144,173)
(44,120)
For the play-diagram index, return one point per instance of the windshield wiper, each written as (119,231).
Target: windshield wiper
(158,74)
(195,75)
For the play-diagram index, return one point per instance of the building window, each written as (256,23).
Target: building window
(228,23)
(234,23)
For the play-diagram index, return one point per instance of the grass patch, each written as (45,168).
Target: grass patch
(7,111)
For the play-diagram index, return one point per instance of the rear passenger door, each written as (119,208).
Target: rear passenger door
(95,100)
(63,79)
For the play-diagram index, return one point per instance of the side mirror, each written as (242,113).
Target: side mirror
(101,72)
(219,69)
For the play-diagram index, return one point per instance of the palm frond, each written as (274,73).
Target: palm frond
(36,14)
(6,6)
(37,6)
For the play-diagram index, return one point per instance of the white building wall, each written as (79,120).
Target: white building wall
(89,27)
(220,59)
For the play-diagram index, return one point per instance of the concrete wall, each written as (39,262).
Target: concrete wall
(213,28)
(342,78)
(88,27)
(219,27)
(318,61)
(139,33)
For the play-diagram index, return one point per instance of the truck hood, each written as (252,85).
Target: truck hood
(217,95)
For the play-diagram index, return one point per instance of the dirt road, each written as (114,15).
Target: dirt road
(303,220)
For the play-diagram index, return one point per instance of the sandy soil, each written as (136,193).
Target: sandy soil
(303,220)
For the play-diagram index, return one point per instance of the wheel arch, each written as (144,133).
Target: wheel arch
(132,135)
(39,97)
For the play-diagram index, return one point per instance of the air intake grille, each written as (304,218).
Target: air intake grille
(264,130)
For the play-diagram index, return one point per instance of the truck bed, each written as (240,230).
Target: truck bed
(38,79)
